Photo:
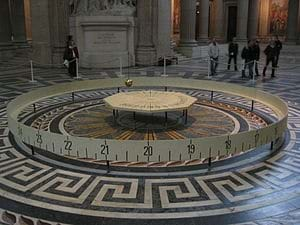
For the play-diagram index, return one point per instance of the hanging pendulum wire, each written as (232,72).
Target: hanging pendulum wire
(121,66)
(31,71)
(128,65)
(165,65)
(10,8)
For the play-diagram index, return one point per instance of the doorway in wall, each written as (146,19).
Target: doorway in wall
(232,22)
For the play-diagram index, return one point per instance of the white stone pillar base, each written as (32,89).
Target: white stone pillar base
(146,56)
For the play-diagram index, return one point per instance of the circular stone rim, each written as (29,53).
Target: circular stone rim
(145,150)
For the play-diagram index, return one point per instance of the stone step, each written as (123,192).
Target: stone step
(180,56)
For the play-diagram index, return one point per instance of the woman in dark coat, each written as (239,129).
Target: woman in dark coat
(71,54)
(233,50)
(271,54)
(249,57)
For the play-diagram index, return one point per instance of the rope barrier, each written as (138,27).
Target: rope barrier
(227,64)
(242,65)
(15,66)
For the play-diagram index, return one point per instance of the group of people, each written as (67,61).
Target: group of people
(250,55)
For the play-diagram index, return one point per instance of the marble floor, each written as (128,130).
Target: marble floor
(262,187)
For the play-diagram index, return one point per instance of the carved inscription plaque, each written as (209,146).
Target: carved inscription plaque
(106,41)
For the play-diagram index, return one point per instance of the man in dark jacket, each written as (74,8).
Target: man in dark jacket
(71,55)
(278,46)
(233,50)
(248,57)
(256,52)
(271,54)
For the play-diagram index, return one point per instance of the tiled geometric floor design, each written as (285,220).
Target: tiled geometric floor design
(90,118)
(260,192)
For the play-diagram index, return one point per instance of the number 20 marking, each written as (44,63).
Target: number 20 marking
(148,150)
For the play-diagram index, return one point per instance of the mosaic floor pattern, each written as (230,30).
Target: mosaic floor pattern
(250,190)
(90,118)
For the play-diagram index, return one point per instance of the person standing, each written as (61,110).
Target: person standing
(256,52)
(278,46)
(248,57)
(233,50)
(213,53)
(271,55)
(71,55)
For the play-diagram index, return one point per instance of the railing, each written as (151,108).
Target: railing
(148,150)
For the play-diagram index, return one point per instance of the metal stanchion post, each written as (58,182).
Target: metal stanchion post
(209,162)
(253,72)
(165,68)
(107,166)
(31,70)
(32,150)
(73,97)
(186,116)
(77,73)
(208,68)
(243,67)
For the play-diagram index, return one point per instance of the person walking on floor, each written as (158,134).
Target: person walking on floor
(256,52)
(71,57)
(213,53)
(233,50)
(271,55)
(278,46)
(248,57)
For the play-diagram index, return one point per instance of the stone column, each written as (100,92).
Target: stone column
(253,18)
(292,21)
(5,29)
(41,38)
(145,53)
(242,20)
(18,20)
(187,41)
(219,20)
(188,23)
(162,27)
(264,19)
(59,28)
(203,21)
(28,20)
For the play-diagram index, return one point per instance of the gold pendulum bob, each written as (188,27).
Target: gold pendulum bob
(128,82)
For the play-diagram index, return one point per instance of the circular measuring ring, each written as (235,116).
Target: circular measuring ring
(148,150)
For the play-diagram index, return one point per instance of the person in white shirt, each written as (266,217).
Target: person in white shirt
(213,53)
